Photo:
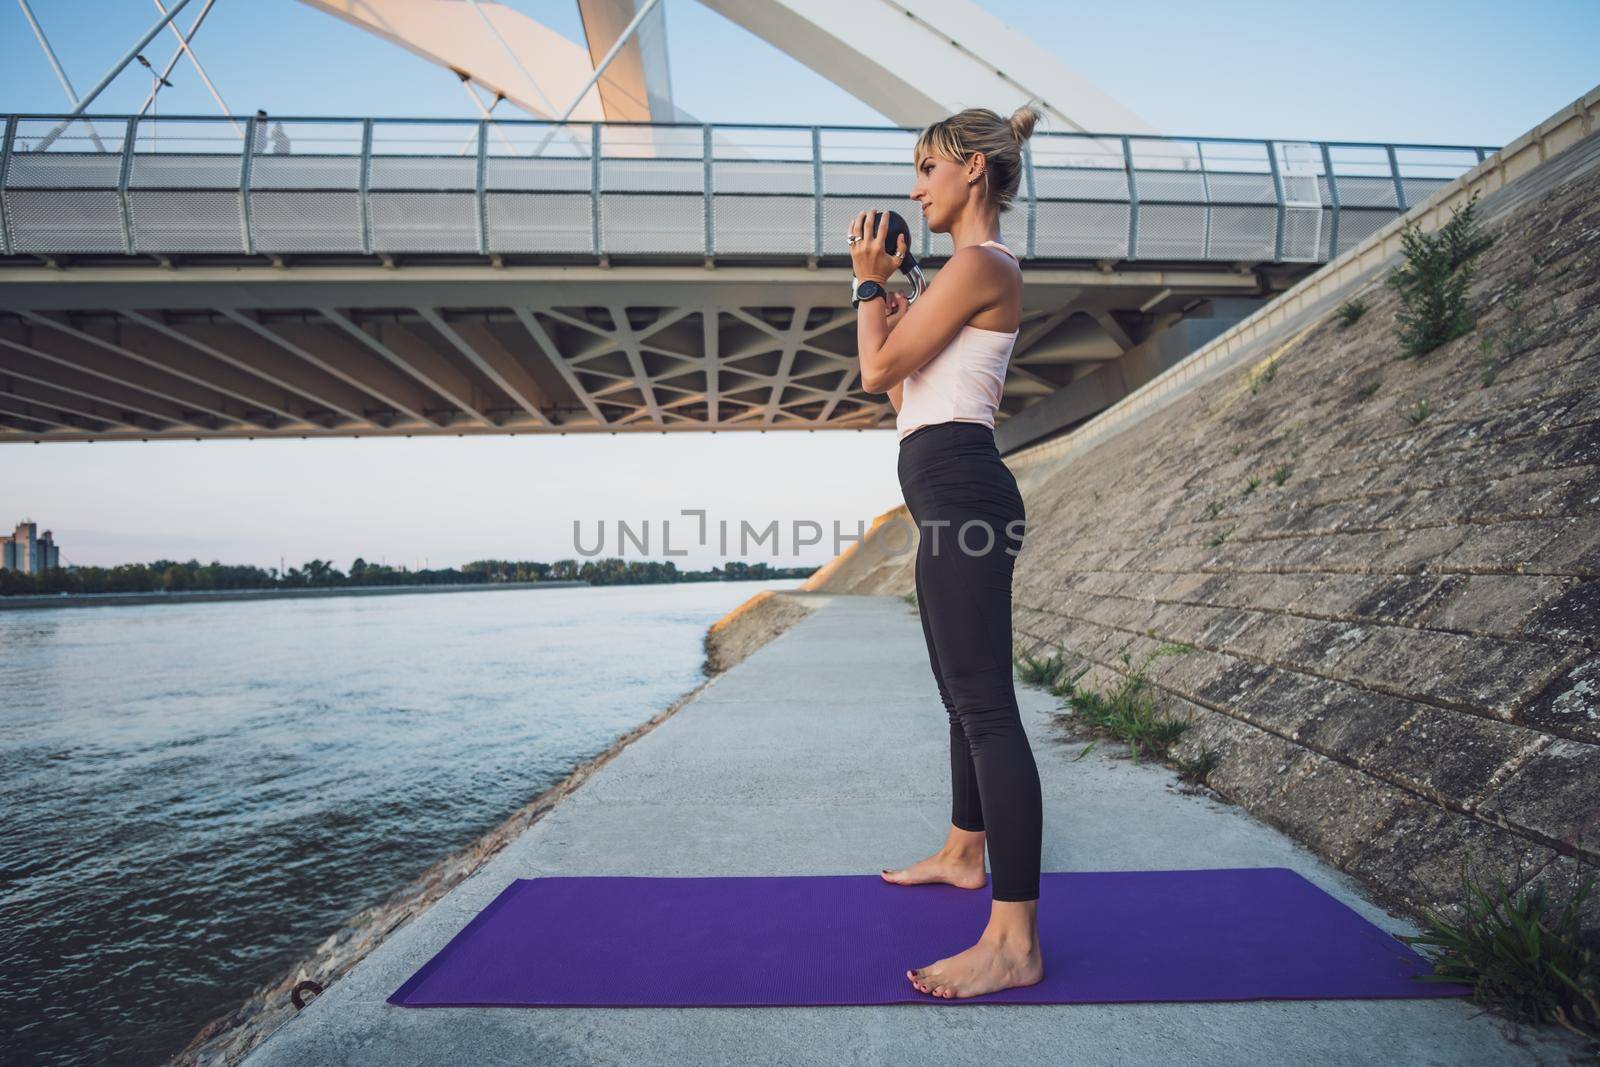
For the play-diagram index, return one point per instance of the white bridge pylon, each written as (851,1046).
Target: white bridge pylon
(925,62)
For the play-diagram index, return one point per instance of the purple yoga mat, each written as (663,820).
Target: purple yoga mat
(1242,933)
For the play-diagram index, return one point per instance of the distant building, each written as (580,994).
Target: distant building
(29,552)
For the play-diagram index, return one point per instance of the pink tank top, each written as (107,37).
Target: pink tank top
(963,383)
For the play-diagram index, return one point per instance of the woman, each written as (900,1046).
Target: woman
(942,361)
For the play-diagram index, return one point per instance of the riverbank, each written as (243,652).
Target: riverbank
(228,1038)
(826,752)
(101,600)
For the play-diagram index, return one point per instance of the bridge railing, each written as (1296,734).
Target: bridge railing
(191,185)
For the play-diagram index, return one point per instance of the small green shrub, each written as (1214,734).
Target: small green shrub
(1462,237)
(1280,473)
(1350,312)
(1433,281)
(1251,484)
(1418,413)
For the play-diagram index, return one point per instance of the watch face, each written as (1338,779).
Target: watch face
(868,289)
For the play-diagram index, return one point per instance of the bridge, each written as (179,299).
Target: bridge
(610,263)
(175,277)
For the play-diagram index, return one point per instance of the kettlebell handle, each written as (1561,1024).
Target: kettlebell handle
(908,265)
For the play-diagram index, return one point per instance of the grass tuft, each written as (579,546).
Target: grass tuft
(1501,346)
(1199,768)
(1129,712)
(1350,312)
(1523,957)
(1041,672)
(1261,376)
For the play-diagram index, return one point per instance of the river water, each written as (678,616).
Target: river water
(195,795)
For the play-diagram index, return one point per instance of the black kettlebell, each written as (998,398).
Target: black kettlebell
(908,265)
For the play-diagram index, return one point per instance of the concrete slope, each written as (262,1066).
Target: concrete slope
(823,753)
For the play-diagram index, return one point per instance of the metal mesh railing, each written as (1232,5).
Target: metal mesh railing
(176,185)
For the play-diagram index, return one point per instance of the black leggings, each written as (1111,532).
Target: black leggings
(970,519)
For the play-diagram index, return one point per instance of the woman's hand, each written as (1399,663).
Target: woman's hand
(896,304)
(868,257)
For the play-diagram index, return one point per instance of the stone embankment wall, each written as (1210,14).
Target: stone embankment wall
(1388,569)
(752,624)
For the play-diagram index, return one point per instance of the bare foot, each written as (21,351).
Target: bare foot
(986,967)
(964,870)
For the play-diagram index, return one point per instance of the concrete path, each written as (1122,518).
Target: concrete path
(825,752)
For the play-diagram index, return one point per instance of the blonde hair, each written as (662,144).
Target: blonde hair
(977,129)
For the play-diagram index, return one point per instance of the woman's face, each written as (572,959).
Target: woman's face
(942,190)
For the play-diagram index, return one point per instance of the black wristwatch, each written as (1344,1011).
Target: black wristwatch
(867,290)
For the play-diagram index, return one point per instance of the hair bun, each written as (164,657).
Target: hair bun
(1023,121)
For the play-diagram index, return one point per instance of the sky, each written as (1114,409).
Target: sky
(1461,72)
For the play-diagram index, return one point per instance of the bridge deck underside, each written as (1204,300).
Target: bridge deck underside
(149,354)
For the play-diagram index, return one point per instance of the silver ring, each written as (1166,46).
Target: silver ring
(852,238)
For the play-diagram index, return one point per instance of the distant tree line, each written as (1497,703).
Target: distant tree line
(170,576)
